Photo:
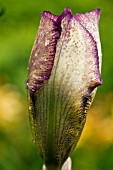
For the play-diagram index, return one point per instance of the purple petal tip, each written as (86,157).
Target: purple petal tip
(97,11)
(49,15)
(67,10)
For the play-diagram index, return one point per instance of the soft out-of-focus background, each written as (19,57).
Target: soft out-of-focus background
(18,26)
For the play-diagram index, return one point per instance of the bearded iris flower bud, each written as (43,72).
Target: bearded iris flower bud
(63,73)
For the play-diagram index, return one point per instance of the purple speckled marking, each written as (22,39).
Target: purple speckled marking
(44,49)
(42,56)
(93,18)
(88,15)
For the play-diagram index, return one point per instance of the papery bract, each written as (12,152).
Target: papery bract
(63,73)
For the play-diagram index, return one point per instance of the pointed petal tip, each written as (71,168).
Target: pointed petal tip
(67,10)
(95,84)
(98,82)
(49,15)
(98,10)
(92,14)
(55,17)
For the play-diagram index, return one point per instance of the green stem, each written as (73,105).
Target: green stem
(52,167)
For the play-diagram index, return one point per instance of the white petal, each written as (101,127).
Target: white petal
(90,21)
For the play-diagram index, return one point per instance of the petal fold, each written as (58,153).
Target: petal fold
(42,56)
(64,69)
(78,64)
(90,21)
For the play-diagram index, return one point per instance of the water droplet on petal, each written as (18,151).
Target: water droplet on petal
(30,107)
(33,141)
(46,42)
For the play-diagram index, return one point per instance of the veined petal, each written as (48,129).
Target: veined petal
(90,21)
(74,75)
(43,53)
(79,60)
(59,106)
(42,56)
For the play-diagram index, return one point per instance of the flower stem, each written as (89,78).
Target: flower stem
(53,168)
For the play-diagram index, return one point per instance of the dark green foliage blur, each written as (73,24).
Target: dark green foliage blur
(19,20)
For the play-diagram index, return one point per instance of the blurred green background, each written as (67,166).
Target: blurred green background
(18,27)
